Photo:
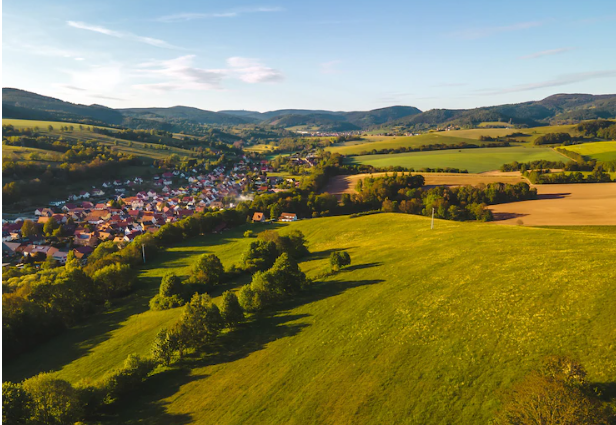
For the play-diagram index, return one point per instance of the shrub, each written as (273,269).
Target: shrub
(339,259)
(16,404)
(249,234)
(54,401)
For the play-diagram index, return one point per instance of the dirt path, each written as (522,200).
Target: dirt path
(346,184)
(563,205)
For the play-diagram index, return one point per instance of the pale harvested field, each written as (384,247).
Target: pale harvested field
(563,205)
(346,184)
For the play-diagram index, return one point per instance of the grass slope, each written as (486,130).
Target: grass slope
(601,151)
(425,327)
(138,149)
(474,160)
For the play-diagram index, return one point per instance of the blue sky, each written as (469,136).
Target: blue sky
(336,55)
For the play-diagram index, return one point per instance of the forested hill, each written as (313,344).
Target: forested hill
(559,108)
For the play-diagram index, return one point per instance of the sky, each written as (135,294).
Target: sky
(333,55)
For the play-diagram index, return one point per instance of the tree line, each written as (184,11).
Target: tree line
(433,147)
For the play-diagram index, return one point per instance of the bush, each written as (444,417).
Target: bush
(124,381)
(54,401)
(16,404)
(170,294)
(339,259)
(249,234)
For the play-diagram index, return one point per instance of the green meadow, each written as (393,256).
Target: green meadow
(474,160)
(138,148)
(425,327)
(601,151)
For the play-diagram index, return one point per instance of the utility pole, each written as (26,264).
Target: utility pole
(432,225)
(143,248)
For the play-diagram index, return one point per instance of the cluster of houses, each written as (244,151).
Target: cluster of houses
(120,218)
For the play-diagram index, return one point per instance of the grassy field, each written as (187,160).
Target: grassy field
(601,151)
(473,160)
(423,328)
(137,148)
(447,137)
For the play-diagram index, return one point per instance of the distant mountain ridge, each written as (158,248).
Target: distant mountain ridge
(553,109)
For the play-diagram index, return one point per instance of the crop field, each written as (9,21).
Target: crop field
(601,151)
(346,183)
(423,327)
(562,205)
(474,160)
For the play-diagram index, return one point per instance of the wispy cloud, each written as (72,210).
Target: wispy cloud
(41,49)
(189,16)
(102,96)
(563,80)
(330,67)
(475,33)
(450,85)
(180,74)
(69,87)
(253,71)
(547,53)
(121,34)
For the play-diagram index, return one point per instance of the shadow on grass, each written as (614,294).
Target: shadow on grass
(268,326)
(362,266)
(79,340)
(325,253)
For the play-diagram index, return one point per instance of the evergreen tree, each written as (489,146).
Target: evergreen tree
(230,310)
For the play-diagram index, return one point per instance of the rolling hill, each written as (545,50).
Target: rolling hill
(430,331)
(559,108)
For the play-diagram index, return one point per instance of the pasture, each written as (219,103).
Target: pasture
(474,160)
(128,147)
(601,151)
(426,326)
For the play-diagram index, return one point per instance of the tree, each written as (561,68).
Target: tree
(28,229)
(288,278)
(50,127)
(50,263)
(230,310)
(545,400)
(275,211)
(50,226)
(170,285)
(72,262)
(248,234)
(54,401)
(339,259)
(260,255)
(16,404)
(208,270)
(246,298)
(163,347)
(201,321)
(114,280)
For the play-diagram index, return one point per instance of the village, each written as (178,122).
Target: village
(119,211)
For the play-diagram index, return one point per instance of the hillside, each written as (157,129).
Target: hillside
(184,113)
(556,108)
(26,105)
(429,331)
(559,108)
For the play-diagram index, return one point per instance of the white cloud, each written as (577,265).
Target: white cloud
(40,49)
(98,78)
(189,16)
(475,33)
(547,53)
(179,73)
(330,67)
(121,34)
(563,80)
(253,71)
